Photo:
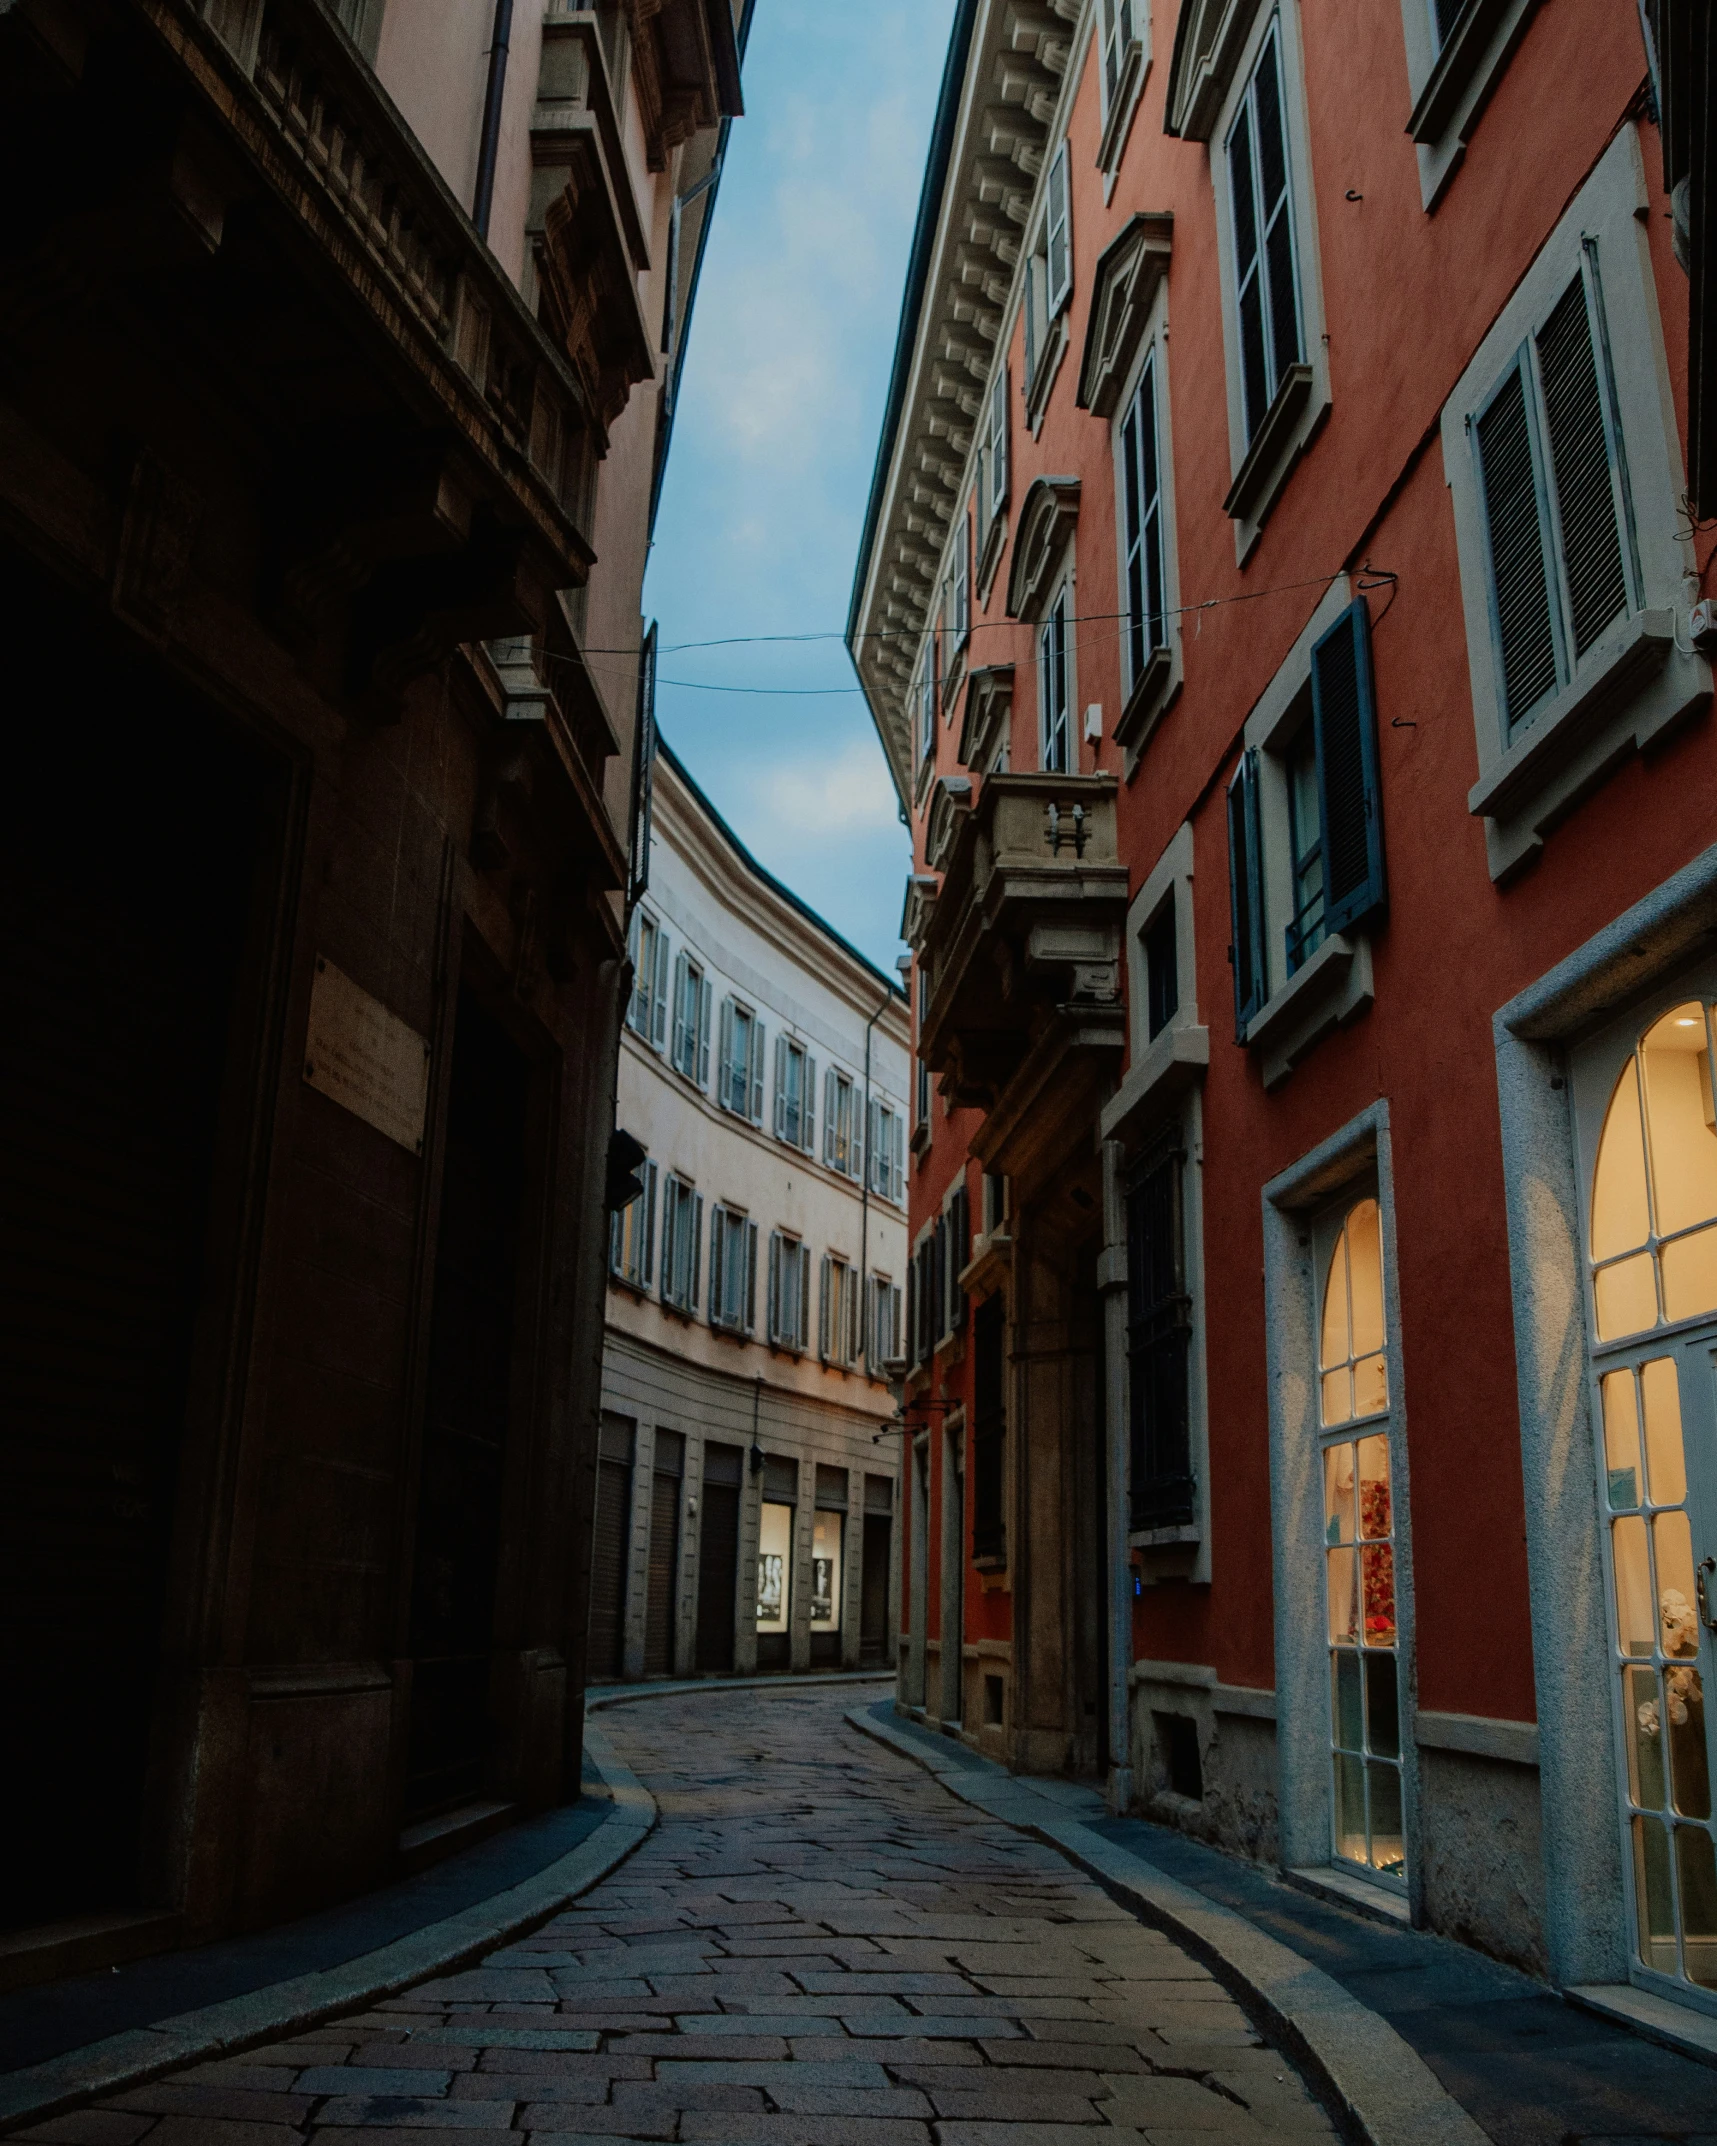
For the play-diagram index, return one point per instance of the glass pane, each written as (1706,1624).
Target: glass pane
(1690,1275)
(1337,1405)
(1374,1517)
(1370,1386)
(1621,1440)
(1654,1898)
(1336,1335)
(1678,1621)
(1619,1217)
(1679,1120)
(1645,1738)
(1350,1808)
(1627,1297)
(1382,1708)
(1343,1606)
(1689,1763)
(1379,1564)
(1636,1622)
(1347,1726)
(1698,1873)
(1365,1269)
(826,1531)
(1385,1784)
(774,1567)
(1666,1461)
(1338,1494)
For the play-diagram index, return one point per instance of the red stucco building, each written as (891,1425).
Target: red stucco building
(1279,604)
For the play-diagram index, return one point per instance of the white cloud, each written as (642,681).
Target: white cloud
(848,795)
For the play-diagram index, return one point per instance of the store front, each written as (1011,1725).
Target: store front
(775,1574)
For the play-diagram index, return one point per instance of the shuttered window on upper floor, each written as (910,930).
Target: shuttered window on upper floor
(1266,262)
(1553,481)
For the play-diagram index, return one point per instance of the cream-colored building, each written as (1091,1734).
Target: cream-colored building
(746,1494)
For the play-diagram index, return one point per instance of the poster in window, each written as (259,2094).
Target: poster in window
(774,1567)
(826,1571)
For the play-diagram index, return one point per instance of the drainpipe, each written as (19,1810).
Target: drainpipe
(490,146)
(864,1195)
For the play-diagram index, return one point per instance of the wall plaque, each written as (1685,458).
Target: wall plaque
(366,1058)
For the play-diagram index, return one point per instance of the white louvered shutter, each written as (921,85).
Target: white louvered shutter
(780,1087)
(670,1229)
(829,1116)
(1028,309)
(705,998)
(659,995)
(802,1308)
(897,1163)
(756,1071)
(823,1337)
(998,447)
(852,1334)
(697,1247)
(679,1054)
(751,1277)
(717,1266)
(808,1105)
(724,1059)
(1058,237)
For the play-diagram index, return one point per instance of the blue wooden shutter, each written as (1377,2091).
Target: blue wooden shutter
(1344,723)
(1246,893)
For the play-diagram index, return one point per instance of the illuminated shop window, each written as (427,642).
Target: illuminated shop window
(774,1567)
(826,1534)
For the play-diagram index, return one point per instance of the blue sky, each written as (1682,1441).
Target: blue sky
(786,374)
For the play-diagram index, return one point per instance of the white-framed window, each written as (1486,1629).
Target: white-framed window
(682,1243)
(992,485)
(954,1255)
(1144,578)
(740,1066)
(838,1311)
(733,1271)
(925,691)
(960,586)
(689,1053)
(883,1338)
(1565,472)
(1125,28)
(921,1095)
(789,1292)
(632,1234)
(647,1014)
(1457,52)
(842,1132)
(1048,281)
(1055,747)
(1269,313)
(795,1094)
(886,1151)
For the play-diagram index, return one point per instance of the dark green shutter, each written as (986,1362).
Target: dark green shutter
(1580,458)
(1246,893)
(1344,722)
(1520,576)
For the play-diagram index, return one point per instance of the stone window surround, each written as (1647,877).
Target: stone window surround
(1155,693)
(1352,1162)
(1450,87)
(1639,680)
(1261,466)
(1333,986)
(1119,110)
(1642,951)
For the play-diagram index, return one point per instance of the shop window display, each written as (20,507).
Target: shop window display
(774,1568)
(826,1547)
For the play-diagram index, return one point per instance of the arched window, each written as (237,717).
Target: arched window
(1653,1237)
(1359,1551)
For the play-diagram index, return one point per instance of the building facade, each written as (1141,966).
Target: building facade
(750,1442)
(1284,607)
(335,349)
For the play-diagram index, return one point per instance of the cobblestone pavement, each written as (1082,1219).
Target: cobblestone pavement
(816,1944)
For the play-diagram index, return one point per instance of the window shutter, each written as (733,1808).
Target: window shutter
(801,1335)
(872,1142)
(850,1349)
(1028,310)
(998,455)
(774,1296)
(649,1224)
(717,1266)
(1519,567)
(808,1106)
(1058,239)
(697,1246)
(1114,44)
(635,1016)
(724,1059)
(659,995)
(1246,894)
(755,1113)
(614,1243)
(681,1055)
(780,1087)
(670,1234)
(894,1320)
(705,997)
(829,1116)
(1586,493)
(897,1165)
(751,1277)
(1344,723)
(823,1311)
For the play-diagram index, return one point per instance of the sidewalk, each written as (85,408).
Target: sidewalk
(1526,2067)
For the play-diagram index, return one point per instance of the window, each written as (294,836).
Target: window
(1055,721)
(958,1254)
(690,1052)
(648,1013)
(923,1285)
(841,1125)
(921,1095)
(733,1271)
(989,1433)
(1457,51)
(741,1072)
(1555,501)
(927,705)
(838,1312)
(1266,270)
(1359,1551)
(682,1244)
(632,1234)
(1162,968)
(795,1093)
(1048,277)
(887,1154)
(1159,1335)
(1305,826)
(789,1292)
(1146,624)
(883,1336)
(993,493)
(1120,29)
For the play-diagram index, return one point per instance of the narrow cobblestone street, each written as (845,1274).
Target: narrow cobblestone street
(816,1944)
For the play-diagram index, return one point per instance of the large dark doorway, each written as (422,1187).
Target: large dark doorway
(129,837)
(610,1540)
(661,1596)
(874,1579)
(718,1556)
(467,1412)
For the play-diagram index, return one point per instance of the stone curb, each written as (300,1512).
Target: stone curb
(1380,2089)
(142,2053)
(605,1695)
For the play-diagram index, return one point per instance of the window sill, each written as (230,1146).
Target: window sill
(1188,1531)
(1327,992)
(641,1290)
(1275,447)
(1177,1060)
(1150,700)
(1630,689)
(1377,1900)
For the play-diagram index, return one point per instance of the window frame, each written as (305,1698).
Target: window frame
(1451,78)
(689,1048)
(1149,690)
(681,1272)
(732,1227)
(1123,62)
(785,1248)
(640,1274)
(1056,625)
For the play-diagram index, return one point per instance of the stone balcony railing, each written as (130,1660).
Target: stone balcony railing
(1027,924)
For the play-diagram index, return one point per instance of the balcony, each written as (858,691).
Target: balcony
(1022,948)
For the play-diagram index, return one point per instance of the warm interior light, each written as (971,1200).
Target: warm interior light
(1684,1023)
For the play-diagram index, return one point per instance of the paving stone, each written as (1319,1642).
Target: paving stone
(839,2071)
(820,2130)
(218,2131)
(91,2127)
(388,2110)
(376,2079)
